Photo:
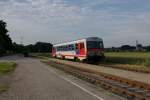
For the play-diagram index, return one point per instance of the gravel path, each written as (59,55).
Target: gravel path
(142,77)
(32,81)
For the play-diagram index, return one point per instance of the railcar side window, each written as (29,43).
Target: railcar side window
(76,46)
(67,47)
(57,48)
(72,47)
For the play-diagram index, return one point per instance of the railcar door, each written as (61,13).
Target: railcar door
(77,49)
(82,48)
(53,51)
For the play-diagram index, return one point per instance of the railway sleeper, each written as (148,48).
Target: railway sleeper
(107,84)
(121,81)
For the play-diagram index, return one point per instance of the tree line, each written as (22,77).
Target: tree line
(39,47)
(129,48)
(5,40)
(7,46)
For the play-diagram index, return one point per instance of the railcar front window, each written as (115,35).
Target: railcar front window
(94,45)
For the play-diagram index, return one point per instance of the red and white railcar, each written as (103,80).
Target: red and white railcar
(87,48)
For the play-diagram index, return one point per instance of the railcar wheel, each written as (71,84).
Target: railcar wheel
(63,57)
(76,59)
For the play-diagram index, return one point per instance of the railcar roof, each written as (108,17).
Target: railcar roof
(74,41)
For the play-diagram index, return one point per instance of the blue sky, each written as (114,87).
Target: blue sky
(118,22)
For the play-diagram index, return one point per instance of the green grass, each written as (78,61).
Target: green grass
(6,67)
(3,88)
(131,58)
(42,54)
(129,54)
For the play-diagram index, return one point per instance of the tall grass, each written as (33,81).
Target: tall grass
(129,54)
(133,58)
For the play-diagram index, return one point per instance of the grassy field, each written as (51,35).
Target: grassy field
(5,68)
(131,58)
(129,54)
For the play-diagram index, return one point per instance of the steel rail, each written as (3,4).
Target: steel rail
(125,87)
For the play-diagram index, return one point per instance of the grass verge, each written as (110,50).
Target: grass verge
(3,88)
(5,68)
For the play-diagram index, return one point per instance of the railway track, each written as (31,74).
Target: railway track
(132,90)
(123,68)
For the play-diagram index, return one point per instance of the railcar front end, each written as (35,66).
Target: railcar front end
(95,48)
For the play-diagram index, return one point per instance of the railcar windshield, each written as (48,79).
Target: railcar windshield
(95,45)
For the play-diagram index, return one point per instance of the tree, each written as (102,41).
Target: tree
(147,48)
(5,40)
(39,47)
(18,48)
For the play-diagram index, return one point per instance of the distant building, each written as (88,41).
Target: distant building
(127,48)
(139,47)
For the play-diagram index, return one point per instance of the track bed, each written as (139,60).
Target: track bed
(130,88)
(141,77)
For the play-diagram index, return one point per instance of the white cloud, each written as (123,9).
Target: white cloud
(56,21)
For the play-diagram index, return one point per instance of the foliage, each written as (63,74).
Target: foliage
(18,48)
(5,40)
(6,44)
(40,47)
(147,48)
